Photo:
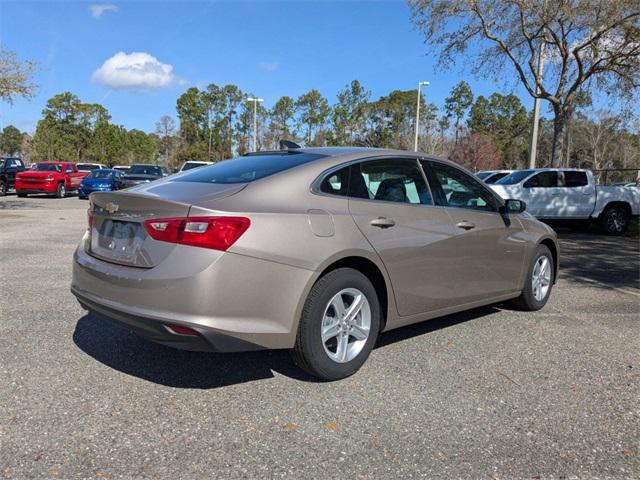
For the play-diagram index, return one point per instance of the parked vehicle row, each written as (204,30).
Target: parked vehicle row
(568,194)
(315,250)
(60,178)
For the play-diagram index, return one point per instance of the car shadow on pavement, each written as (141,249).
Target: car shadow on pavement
(123,350)
(599,261)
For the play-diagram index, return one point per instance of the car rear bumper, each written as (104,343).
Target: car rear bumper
(207,340)
(234,302)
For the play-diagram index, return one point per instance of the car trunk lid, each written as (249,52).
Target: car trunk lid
(117,227)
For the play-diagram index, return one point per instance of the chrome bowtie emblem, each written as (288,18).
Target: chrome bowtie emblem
(111,207)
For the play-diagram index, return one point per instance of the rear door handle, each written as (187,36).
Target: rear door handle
(465,225)
(382,222)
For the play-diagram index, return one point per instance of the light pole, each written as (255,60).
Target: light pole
(533,141)
(415,143)
(255,101)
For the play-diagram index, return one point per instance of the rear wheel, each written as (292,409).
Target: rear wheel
(614,220)
(539,281)
(61,192)
(339,325)
(3,188)
(21,195)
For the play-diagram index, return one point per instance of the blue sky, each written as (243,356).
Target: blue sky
(268,48)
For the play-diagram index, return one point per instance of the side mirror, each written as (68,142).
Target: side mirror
(514,206)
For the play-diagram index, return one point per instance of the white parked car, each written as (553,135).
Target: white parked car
(571,194)
(89,167)
(191,164)
(122,168)
(492,176)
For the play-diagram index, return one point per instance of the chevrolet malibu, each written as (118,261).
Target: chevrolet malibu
(315,250)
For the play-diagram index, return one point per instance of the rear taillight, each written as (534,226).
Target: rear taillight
(181,330)
(218,233)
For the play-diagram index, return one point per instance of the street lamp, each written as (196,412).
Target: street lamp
(415,143)
(255,101)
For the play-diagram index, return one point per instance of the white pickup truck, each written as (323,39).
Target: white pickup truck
(571,194)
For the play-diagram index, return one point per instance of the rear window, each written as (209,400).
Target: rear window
(145,170)
(247,169)
(48,167)
(88,166)
(575,179)
(101,173)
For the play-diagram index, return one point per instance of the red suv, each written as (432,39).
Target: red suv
(55,178)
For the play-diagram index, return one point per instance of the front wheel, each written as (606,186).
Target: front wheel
(339,325)
(3,188)
(614,220)
(539,281)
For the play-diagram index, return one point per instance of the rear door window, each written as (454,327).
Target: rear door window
(575,179)
(389,180)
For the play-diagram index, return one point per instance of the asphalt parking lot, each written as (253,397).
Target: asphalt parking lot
(492,393)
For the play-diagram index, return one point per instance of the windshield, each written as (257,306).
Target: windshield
(145,170)
(247,169)
(495,177)
(101,174)
(515,177)
(88,166)
(48,167)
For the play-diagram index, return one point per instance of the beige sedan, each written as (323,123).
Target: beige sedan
(315,250)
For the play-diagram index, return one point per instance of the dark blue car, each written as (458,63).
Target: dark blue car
(103,180)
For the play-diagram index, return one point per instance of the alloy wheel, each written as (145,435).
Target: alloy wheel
(541,278)
(616,220)
(346,325)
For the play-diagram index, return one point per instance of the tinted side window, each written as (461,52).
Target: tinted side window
(389,180)
(575,179)
(68,168)
(461,190)
(543,180)
(336,183)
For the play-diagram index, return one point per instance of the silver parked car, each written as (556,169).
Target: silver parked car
(316,250)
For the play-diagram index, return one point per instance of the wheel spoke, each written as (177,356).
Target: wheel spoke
(341,350)
(354,308)
(338,306)
(331,330)
(359,333)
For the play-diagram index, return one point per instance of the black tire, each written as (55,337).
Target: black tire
(614,220)
(61,191)
(3,188)
(21,195)
(309,351)
(527,301)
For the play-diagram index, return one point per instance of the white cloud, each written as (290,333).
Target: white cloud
(97,9)
(135,70)
(269,66)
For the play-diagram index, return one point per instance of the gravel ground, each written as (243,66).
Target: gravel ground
(491,393)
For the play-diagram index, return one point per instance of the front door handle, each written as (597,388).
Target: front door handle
(465,225)
(382,222)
